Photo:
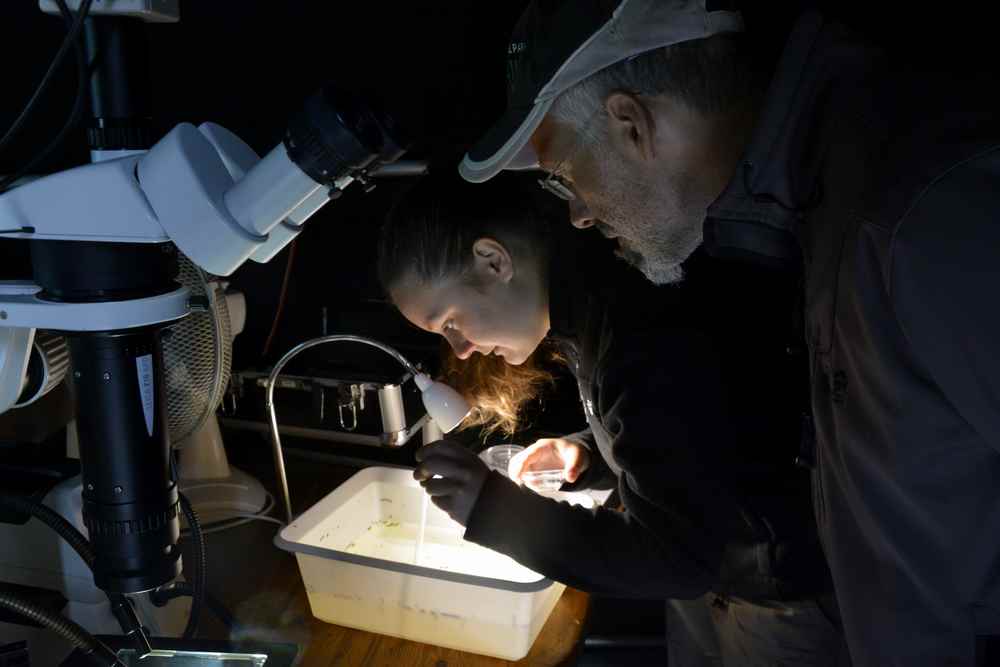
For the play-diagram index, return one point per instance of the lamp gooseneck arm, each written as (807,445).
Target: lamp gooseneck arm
(279,458)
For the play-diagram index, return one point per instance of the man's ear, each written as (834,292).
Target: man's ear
(631,126)
(491,261)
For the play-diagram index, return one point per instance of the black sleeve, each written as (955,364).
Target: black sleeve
(944,282)
(666,415)
(663,397)
(597,476)
(598,551)
(945,287)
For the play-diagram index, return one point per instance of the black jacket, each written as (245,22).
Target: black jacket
(887,180)
(671,382)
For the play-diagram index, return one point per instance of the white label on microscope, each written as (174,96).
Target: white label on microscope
(144,365)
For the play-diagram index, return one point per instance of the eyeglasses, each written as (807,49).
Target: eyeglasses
(558,186)
(555,183)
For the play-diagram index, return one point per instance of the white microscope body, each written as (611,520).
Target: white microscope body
(207,192)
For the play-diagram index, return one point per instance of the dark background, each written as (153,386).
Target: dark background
(438,67)
(248,65)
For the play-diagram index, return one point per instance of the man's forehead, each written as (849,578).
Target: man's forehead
(545,139)
(542,150)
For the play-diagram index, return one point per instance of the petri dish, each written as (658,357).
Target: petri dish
(498,457)
(543,480)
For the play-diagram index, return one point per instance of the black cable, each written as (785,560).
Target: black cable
(162,596)
(62,626)
(82,75)
(43,85)
(55,521)
(200,578)
(120,605)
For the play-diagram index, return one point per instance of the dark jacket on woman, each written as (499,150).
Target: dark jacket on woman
(694,395)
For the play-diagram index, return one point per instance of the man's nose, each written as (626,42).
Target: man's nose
(579,215)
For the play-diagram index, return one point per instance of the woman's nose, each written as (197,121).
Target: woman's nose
(463,348)
(579,215)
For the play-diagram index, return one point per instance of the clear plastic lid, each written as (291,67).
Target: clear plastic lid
(543,480)
(498,457)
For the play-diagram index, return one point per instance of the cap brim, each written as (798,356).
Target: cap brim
(505,145)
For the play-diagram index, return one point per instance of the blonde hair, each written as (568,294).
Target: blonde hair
(497,391)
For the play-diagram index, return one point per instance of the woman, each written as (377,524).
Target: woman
(693,405)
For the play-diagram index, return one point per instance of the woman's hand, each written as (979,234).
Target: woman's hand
(452,475)
(551,454)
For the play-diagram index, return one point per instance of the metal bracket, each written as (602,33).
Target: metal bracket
(20,306)
(352,397)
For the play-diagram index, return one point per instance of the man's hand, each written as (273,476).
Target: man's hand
(452,475)
(551,454)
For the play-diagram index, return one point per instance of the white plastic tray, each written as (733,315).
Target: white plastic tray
(482,605)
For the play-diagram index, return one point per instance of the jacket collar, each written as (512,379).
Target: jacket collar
(777,181)
(570,285)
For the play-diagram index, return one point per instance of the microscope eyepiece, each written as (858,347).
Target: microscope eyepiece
(338,134)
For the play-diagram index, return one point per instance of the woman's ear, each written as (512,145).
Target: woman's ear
(491,261)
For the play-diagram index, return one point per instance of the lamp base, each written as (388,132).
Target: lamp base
(217,490)
(228,498)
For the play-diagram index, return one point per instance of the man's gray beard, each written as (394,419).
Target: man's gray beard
(650,238)
(657,272)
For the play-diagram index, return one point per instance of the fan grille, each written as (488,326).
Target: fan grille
(197,355)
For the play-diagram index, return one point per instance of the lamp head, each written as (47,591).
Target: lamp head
(444,405)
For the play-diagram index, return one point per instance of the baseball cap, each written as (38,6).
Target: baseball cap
(558,43)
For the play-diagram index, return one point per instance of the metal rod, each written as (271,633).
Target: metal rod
(633,641)
(402,168)
(339,459)
(397,439)
(279,459)
(303,432)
